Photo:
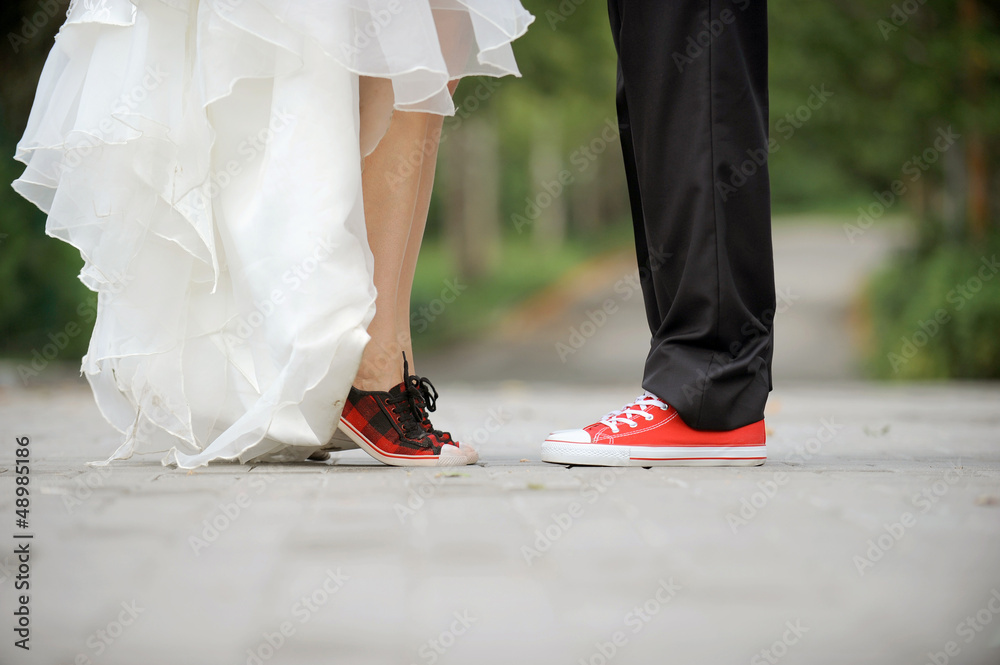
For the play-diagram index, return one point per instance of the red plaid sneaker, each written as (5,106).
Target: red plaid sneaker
(655,436)
(393,426)
(424,400)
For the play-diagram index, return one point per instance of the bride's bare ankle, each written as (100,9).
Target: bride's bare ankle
(379,373)
(382,364)
(382,382)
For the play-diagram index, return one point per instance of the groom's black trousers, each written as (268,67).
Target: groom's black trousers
(692,109)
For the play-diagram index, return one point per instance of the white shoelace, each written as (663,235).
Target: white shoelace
(640,407)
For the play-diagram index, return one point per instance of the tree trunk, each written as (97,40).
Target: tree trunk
(472,197)
(548,197)
(585,200)
(977,166)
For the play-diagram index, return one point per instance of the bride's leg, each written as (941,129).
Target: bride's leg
(397,182)
(397,179)
(429,152)
(391,193)
(409,267)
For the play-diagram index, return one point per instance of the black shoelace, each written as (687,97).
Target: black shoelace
(423,398)
(415,394)
(428,401)
(409,415)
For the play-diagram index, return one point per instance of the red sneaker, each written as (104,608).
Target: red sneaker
(389,426)
(424,402)
(654,436)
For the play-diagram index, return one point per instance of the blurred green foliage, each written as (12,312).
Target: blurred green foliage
(41,294)
(936,313)
(899,71)
(525,268)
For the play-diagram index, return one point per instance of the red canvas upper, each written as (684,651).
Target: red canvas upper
(650,422)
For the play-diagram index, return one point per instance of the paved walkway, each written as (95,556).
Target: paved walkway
(872,535)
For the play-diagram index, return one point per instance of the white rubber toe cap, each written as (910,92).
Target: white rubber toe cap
(457,456)
(569,436)
(471,454)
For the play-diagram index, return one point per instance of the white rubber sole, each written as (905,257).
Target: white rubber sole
(449,455)
(598,454)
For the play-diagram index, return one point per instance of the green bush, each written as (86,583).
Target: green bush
(935,313)
(44,308)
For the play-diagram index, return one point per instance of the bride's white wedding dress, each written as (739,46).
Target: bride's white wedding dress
(204,157)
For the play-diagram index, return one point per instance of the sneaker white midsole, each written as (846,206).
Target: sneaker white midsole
(449,455)
(618,455)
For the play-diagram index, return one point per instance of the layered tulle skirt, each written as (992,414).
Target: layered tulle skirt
(205,158)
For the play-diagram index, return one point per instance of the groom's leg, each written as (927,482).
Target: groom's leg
(692,98)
